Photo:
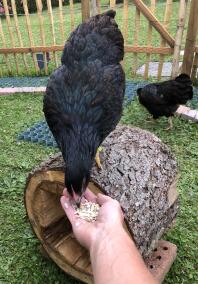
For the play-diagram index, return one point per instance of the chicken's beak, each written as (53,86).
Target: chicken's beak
(77,199)
(78,202)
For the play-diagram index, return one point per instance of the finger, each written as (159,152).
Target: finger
(68,208)
(90,196)
(101,198)
(65,193)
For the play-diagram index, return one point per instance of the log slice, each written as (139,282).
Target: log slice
(138,170)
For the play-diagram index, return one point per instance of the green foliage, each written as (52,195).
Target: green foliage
(32,5)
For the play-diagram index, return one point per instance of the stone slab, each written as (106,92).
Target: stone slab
(153,69)
(9,91)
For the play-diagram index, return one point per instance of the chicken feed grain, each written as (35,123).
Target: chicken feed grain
(88,211)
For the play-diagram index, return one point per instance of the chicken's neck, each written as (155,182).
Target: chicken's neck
(79,149)
(80,144)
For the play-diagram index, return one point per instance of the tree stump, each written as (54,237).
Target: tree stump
(138,170)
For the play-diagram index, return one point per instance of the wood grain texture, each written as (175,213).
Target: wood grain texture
(30,34)
(167,17)
(11,35)
(178,38)
(155,22)
(42,32)
(149,41)
(85,10)
(138,170)
(19,36)
(2,35)
(191,38)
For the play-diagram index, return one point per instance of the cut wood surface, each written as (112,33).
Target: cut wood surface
(138,170)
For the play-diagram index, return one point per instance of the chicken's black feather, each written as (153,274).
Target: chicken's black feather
(84,96)
(163,99)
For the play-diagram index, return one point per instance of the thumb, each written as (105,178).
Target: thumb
(101,198)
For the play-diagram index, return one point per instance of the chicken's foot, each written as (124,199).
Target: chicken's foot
(150,119)
(97,157)
(170,124)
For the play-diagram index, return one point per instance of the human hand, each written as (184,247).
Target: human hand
(109,221)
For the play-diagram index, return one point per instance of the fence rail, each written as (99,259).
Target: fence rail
(31,43)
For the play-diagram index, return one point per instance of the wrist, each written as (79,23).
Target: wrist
(107,236)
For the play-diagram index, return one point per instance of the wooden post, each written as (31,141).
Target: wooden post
(154,22)
(61,25)
(194,68)
(9,25)
(125,26)
(191,38)
(167,16)
(178,38)
(14,11)
(149,38)
(30,35)
(4,45)
(40,17)
(93,9)
(71,7)
(98,6)
(85,10)
(1,72)
(136,34)
(49,7)
(125,21)
(112,4)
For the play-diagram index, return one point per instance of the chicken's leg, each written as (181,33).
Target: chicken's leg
(97,157)
(170,124)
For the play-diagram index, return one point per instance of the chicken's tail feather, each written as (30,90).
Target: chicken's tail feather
(184,89)
(110,13)
(184,78)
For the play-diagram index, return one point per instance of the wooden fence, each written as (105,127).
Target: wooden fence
(31,43)
(190,62)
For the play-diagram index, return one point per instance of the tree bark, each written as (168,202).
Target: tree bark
(139,171)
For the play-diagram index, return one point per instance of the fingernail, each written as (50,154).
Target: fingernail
(66,205)
(65,193)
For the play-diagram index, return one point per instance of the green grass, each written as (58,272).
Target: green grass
(20,259)
(129,62)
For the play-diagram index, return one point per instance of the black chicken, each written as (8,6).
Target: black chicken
(163,99)
(83,100)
